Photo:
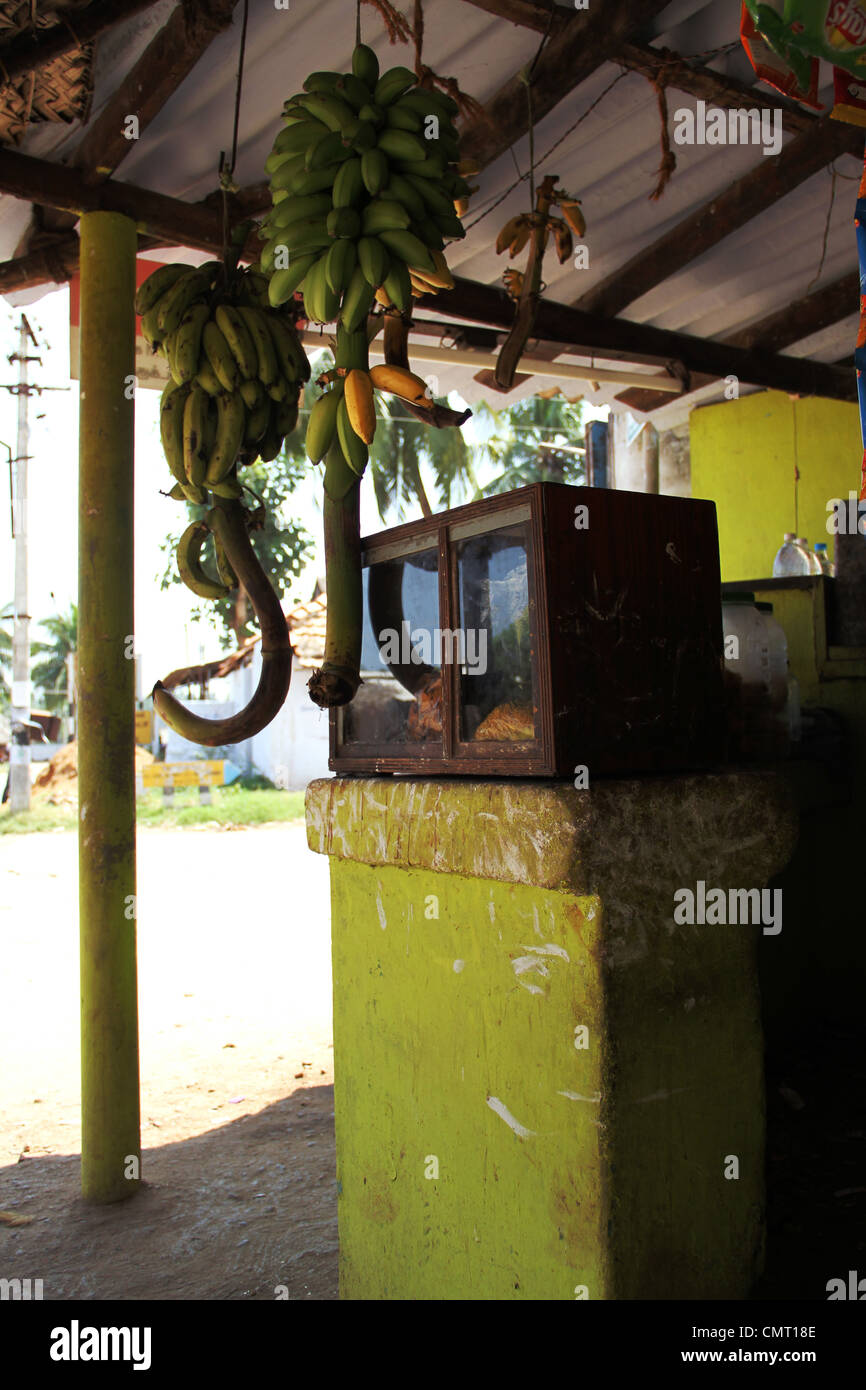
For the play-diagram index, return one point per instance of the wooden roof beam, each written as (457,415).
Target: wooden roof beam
(738,204)
(200,226)
(581,44)
(585,334)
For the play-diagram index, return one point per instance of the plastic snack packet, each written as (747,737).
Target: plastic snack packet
(772,68)
(802,30)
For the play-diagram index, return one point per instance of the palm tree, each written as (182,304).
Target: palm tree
(401,445)
(49,674)
(540,439)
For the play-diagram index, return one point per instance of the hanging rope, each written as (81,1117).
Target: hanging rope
(669,159)
(398,27)
(227,168)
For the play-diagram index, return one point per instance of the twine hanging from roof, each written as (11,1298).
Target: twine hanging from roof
(669,159)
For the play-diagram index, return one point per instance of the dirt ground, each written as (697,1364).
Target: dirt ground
(236,1073)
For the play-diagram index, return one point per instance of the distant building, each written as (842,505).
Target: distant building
(293,749)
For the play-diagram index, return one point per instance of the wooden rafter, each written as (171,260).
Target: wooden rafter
(620,340)
(742,201)
(776,331)
(198,225)
(30,50)
(528,14)
(582,44)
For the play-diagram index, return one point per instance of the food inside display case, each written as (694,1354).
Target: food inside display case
(495,694)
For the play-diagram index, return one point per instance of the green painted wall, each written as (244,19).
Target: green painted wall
(743,457)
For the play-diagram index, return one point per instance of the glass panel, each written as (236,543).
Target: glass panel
(493,604)
(400,700)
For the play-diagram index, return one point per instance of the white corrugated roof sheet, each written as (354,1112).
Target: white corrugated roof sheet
(609,160)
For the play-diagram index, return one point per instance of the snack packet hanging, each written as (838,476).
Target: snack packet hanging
(771,68)
(802,30)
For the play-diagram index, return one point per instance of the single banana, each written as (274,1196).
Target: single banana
(405,246)
(285,282)
(220,357)
(253,393)
(508,233)
(189,564)
(231,422)
(357,301)
(348,184)
(354,449)
(361,405)
(234,330)
(171,409)
(402,145)
(340,265)
(255,321)
(398,286)
(365,65)
(373,260)
(195,458)
(398,381)
(322,424)
(393,84)
(207,378)
(187,341)
(383,216)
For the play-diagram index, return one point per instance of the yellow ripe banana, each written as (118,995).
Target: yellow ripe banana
(189,565)
(361,404)
(195,427)
(398,381)
(207,378)
(440,278)
(264,344)
(419,287)
(231,422)
(383,298)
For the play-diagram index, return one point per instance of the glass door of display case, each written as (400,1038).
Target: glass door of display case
(495,699)
(452,657)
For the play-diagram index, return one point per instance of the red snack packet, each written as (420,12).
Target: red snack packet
(773,70)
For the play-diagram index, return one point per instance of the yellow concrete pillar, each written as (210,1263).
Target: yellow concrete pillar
(110,1119)
(547,1084)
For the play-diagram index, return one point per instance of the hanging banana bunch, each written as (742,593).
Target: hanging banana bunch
(365,187)
(237,372)
(534,228)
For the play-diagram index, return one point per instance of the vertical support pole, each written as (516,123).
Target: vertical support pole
(19,750)
(110,1117)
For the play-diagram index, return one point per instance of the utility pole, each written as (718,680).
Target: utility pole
(19,752)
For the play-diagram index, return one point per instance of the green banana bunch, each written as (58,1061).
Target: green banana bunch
(365,187)
(237,372)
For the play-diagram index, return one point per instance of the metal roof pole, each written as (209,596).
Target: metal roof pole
(110,1118)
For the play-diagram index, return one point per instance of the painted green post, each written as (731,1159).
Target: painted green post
(110,1119)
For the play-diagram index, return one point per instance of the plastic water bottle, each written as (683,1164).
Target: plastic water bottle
(824,560)
(790,559)
(812,561)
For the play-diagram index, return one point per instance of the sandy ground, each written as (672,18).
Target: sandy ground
(236,1072)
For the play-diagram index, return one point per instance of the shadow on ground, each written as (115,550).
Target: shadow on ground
(230,1214)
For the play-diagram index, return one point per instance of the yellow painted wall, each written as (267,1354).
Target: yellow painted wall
(743,458)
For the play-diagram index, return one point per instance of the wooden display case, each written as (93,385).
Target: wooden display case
(538,632)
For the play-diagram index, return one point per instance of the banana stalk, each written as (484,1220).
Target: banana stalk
(227,520)
(336,682)
(527,305)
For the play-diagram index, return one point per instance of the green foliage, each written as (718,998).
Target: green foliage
(230,806)
(49,674)
(281,546)
(532,442)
